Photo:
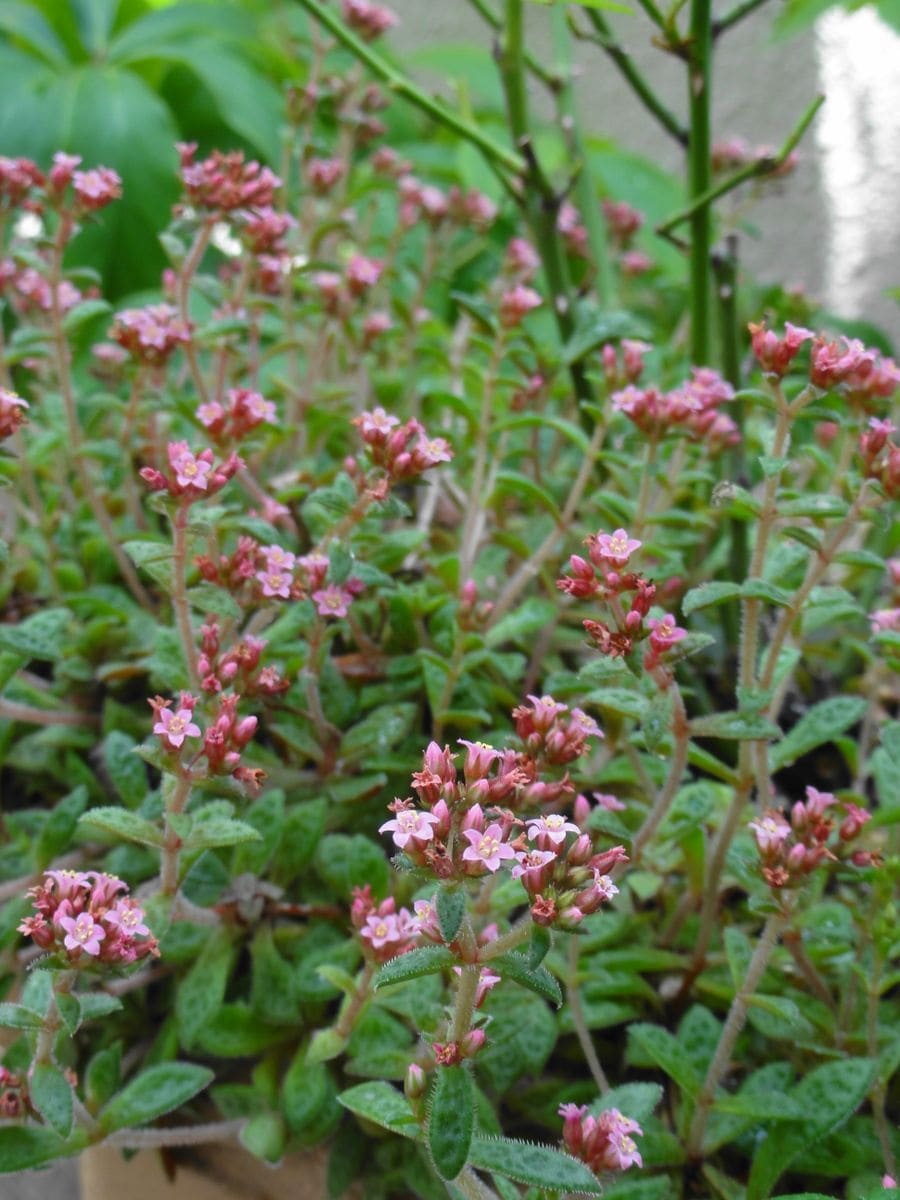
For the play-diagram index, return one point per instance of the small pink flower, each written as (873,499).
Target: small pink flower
(174,727)
(69,883)
(480,757)
(552,828)
(277,558)
(531,862)
(129,917)
(210,414)
(487,848)
(332,601)
(375,426)
(885,620)
(82,933)
(410,824)
(609,802)
(516,304)
(585,724)
(664,632)
(615,548)
(603,887)
(771,831)
(274,583)
(381,930)
(191,471)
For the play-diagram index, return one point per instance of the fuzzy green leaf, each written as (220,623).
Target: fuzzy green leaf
(382,1104)
(538,979)
(707,594)
(653,1044)
(451,908)
(51,1095)
(537,1166)
(735,726)
(451,1121)
(156,1091)
(424,961)
(123,824)
(822,723)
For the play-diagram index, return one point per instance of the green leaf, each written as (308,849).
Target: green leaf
(451,1120)
(51,1095)
(635,1100)
(157,1090)
(17,1016)
(382,1104)
(538,946)
(326,1044)
(424,961)
(574,433)
(594,328)
(23,1147)
(25,23)
(123,824)
(43,636)
(202,991)
(265,1136)
(735,726)
(516,966)
(537,1166)
(653,1044)
(97,1004)
(379,732)
(307,1087)
(761,589)
(739,951)
(57,831)
(272,985)
(451,908)
(70,1011)
(523,622)
(86,311)
(827,1096)
(822,723)
(126,771)
(217,830)
(707,594)
(521,1037)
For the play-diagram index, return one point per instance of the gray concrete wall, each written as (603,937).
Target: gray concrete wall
(833,226)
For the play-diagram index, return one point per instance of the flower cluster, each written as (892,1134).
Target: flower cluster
(243,411)
(222,183)
(881,455)
(82,917)
(790,850)
(863,375)
(402,450)
(734,152)
(605,1142)
(624,366)
(224,740)
(370,21)
(468,826)
(238,667)
(385,931)
(14,1098)
(12,412)
(694,407)
(19,177)
(608,554)
(886,620)
(193,476)
(32,294)
(150,335)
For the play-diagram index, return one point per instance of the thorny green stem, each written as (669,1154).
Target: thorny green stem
(736,15)
(604,39)
(734,1023)
(548,78)
(401,86)
(76,446)
(539,201)
(171,848)
(700,175)
(681,736)
(179,594)
(762,166)
(585,1041)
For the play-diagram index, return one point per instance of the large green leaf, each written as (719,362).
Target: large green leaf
(25,24)
(156,1091)
(164,26)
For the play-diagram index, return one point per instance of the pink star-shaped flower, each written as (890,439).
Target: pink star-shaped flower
(487,848)
(410,823)
(176,726)
(554,827)
(82,933)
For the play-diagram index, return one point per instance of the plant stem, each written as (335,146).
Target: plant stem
(507,941)
(401,86)
(179,595)
(735,15)
(464,1007)
(185,277)
(734,1023)
(548,78)
(12,710)
(700,175)
(632,76)
(185,1135)
(354,1004)
(681,738)
(171,847)
(585,1041)
(76,446)
(473,1188)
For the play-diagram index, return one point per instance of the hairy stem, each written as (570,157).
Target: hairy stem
(681,737)
(585,1041)
(179,595)
(734,1023)
(170,851)
(185,1135)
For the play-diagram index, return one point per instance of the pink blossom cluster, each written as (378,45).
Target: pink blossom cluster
(773,353)
(14,1098)
(386,932)
(735,152)
(862,373)
(192,476)
(600,576)
(243,411)
(887,620)
(553,733)
(369,20)
(624,366)
(338,293)
(224,741)
(521,260)
(695,407)
(264,229)
(12,412)
(574,233)
(150,335)
(238,668)
(32,294)
(19,178)
(223,183)
(605,1142)
(82,917)
(403,450)
(468,827)
(516,304)
(623,221)
(92,189)
(790,850)
(881,455)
